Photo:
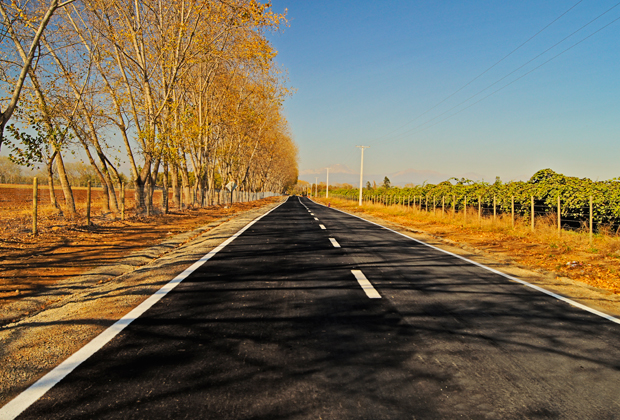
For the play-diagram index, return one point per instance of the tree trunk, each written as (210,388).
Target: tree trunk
(66,188)
(141,181)
(164,193)
(176,194)
(50,177)
(185,184)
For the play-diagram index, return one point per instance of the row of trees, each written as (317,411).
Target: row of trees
(173,88)
(546,186)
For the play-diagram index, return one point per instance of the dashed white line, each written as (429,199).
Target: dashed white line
(507,276)
(322,227)
(371,292)
(316,218)
(334,243)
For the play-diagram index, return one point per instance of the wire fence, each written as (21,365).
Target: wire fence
(470,208)
(19,202)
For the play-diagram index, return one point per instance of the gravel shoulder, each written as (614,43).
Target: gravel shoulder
(76,310)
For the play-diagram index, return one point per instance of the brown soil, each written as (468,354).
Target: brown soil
(66,248)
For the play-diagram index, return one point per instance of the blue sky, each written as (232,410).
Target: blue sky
(364,69)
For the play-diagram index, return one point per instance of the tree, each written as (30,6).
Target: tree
(190,86)
(25,23)
(386,182)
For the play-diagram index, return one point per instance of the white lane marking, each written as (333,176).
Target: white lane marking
(371,292)
(312,214)
(334,243)
(322,227)
(24,400)
(316,218)
(509,277)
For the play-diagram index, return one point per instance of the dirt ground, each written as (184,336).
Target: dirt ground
(66,248)
(55,323)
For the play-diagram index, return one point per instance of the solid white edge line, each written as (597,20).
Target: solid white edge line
(24,400)
(334,243)
(371,292)
(322,227)
(508,276)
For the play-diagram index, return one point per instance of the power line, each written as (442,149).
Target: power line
(481,74)
(514,71)
(515,80)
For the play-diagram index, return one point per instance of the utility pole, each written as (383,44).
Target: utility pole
(362,173)
(327,186)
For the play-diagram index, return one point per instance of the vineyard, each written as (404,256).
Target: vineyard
(544,193)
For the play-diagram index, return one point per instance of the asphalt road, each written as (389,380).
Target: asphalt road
(277,326)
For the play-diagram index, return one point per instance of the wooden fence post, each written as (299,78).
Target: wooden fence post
(465,211)
(35,201)
(453,206)
(434,207)
(532,202)
(443,205)
(512,200)
(88,193)
(479,211)
(122,201)
(559,216)
(590,220)
(494,209)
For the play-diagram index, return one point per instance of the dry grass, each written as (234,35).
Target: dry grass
(568,253)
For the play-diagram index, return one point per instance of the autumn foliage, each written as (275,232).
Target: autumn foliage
(186,92)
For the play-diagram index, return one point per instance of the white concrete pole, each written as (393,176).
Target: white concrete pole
(327,186)
(362,174)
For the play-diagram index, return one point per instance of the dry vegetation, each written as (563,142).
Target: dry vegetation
(568,254)
(66,247)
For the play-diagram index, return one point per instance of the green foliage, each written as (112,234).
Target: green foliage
(387,184)
(545,185)
(35,148)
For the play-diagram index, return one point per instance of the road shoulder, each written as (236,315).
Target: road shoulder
(596,298)
(89,304)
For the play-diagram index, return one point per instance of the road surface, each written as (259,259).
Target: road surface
(315,314)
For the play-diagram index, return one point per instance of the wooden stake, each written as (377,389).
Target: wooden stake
(479,211)
(590,220)
(88,204)
(465,211)
(443,205)
(434,207)
(559,216)
(513,211)
(494,209)
(35,201)
(122,201)
(532,201)
(453,206)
